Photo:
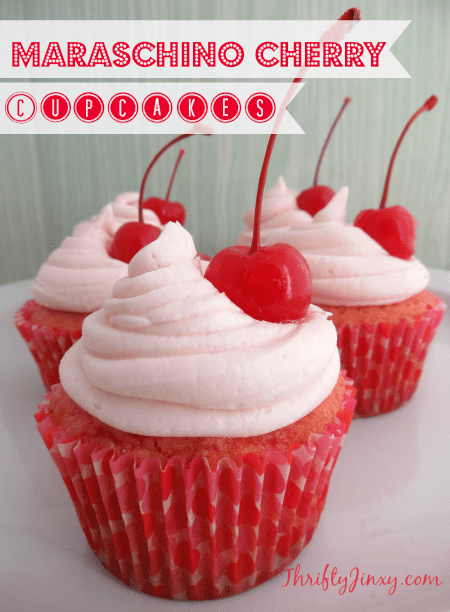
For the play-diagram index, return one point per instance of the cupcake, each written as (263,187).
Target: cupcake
(385,317)
(196,442)
(79,275)
(74,281)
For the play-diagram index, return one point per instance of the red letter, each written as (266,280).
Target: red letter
(355,580)
(260,54)
(353,52)
(429,579)
(137,54)
(162,54)
(297,576)
(288,569)
(223,54)
(331,50)
(19,52)
(374,52)
(53,55)
(75,52)
(99,55)
(185,54)
(119,51)
(200,51)
(312,54)
(296,54)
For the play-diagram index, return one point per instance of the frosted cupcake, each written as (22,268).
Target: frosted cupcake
(79,275)
(197,442)
(385,317)
(74,281)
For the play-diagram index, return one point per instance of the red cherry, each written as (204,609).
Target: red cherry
(133,236)
(272,283)
(317,197)
(168,211)
(130,238)
(393,227)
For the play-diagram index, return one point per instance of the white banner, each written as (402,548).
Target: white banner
(198,49)
(143,108)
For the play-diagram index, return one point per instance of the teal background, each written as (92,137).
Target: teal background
(50,182)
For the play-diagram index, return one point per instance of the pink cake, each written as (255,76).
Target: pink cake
(196,442)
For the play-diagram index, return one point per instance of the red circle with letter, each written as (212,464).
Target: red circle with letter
(55,107)
(123,107)
(225,107)
(88,107)
(192,107)
(20,107)
(260,107)
(157,107)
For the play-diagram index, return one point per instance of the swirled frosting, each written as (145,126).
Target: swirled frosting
(79,275)
(348,267)
(168,355)
(279,209)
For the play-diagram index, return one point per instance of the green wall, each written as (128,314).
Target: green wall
(48,182)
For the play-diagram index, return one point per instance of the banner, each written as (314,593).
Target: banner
(197,49)
(143,108)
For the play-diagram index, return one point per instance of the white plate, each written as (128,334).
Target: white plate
(387,514)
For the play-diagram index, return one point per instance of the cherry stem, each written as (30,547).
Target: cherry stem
(152,163)
(174,171)
(352,14)
(319,163)
(427,106)
(255,246)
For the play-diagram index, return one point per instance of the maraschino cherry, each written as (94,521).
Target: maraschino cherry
(168,211)
(394,228)
(317,197)
(270,283)
(134,235)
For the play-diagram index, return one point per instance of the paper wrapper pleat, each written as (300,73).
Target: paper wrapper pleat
(46,345)
(187,531)
(385,360)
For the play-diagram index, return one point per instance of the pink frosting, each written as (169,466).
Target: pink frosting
(79,275)
(348,267)
(169,355)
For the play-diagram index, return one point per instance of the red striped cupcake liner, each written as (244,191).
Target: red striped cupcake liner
(385,360)
(188,532)
(47,345)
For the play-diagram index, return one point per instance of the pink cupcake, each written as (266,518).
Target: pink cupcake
(365,274)
(79,275)
(384,316)
(196,442)
(74,281)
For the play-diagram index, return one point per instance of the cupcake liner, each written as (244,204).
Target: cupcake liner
(187,531)
(385,360)
(47,345)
